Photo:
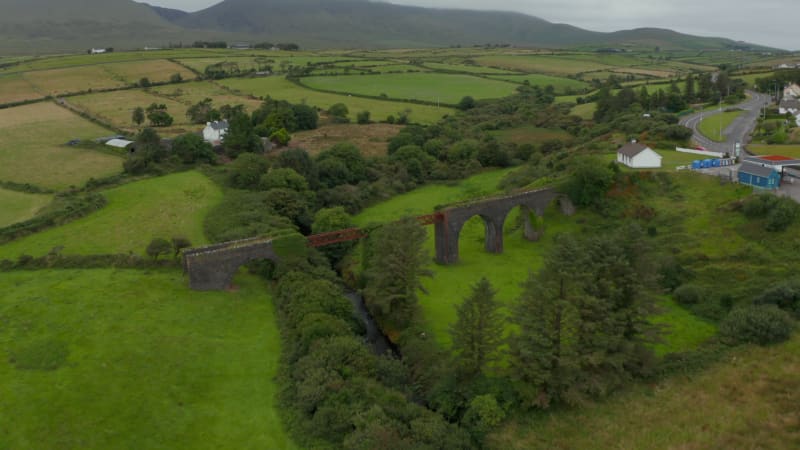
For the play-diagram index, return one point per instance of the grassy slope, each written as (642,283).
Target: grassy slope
(466,68)
(173,205)
(542,64)
(792,151)
(711,126)
(18,206)
(451,284)
(150,363)
(33,150)
(748,401)
(281,89)
(430,87)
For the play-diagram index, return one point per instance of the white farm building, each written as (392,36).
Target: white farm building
(215,131)
(638,156)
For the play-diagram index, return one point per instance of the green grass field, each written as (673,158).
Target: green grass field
(191,93)
(74,79)
(712,125)
(282,89)
(33,150)
(559,83)
(101,359)
(159,70)
(164,207)
(553,65)
(466,68)
(584,111)
(18,206)
(15,88)
(792,151)
(429,87)
(749,400)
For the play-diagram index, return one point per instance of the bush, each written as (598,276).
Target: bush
(782,216)
(689,294)
(363,118)
(758,324)
(785,295)
(158,247)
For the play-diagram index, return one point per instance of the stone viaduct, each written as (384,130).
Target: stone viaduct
(213,267)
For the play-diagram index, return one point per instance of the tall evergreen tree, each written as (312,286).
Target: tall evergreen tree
(691,95)
(478,332)
(398,260)
(583,320)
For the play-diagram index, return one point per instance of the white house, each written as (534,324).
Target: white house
(214,132)
(97,51)
(638,156)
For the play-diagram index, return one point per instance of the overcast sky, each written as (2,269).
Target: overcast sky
(766,22)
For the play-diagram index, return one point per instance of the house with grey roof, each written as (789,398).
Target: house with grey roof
(214,132)
(758,176)
(638,156)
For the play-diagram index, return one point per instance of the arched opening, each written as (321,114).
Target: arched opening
(523,225)
(478,235)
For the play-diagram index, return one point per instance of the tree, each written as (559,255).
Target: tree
(280,137)
(179,243)
(339,112)
(158,247)
(393,277)
(341,164)
(175,78)
(583,319)
(191,148)
(202,112)
(283,178)
(590,181)
(478,331)
(363,118)
(691,95)
(466,103)
(416,161)
(246,171)
(241,137)
(138,116)
(333,219)
(306,117)
(144,82)
(158,116)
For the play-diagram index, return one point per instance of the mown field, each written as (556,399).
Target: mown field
(100,359)
(33,149)
(19,206)
(748,400)
(74,79)
(279,62)
(542,64)
(282,89)
(164,207)
(157,71)
(713,127)
(428,87)
(466,68)
(191,93)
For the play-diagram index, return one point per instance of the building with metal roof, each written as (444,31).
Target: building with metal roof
(758,176)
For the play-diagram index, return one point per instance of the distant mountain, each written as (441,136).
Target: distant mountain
(363,23)
(37,26)
(169,14)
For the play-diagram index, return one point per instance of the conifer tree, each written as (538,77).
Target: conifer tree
(478,332)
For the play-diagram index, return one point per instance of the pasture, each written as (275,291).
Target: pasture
(371,140)
(748,400)
(15,88)
(159,70)
(560,84)
(191,93)
(100,359)
(792,151)
(116,108)
(428,87)
(19,206)
(467,68)
(33,149)
(282,89)
(279,61)
(553,65)
(75,79)
(165,207)
(585,111)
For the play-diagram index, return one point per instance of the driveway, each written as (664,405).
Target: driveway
(738,131)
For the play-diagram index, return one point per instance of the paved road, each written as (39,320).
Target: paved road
(738,131)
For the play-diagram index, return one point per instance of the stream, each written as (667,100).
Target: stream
(375,338)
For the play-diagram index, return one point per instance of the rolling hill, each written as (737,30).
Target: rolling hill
(36,26)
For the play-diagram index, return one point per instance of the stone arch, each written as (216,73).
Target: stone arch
(213,268)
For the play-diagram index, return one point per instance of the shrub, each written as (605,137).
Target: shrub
(782,216)
(158,247)
(758,324)
(689,294)
(785,295)
(363,117)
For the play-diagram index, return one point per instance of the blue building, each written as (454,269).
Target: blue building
(759,176)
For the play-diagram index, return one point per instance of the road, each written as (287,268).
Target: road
(738,131)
